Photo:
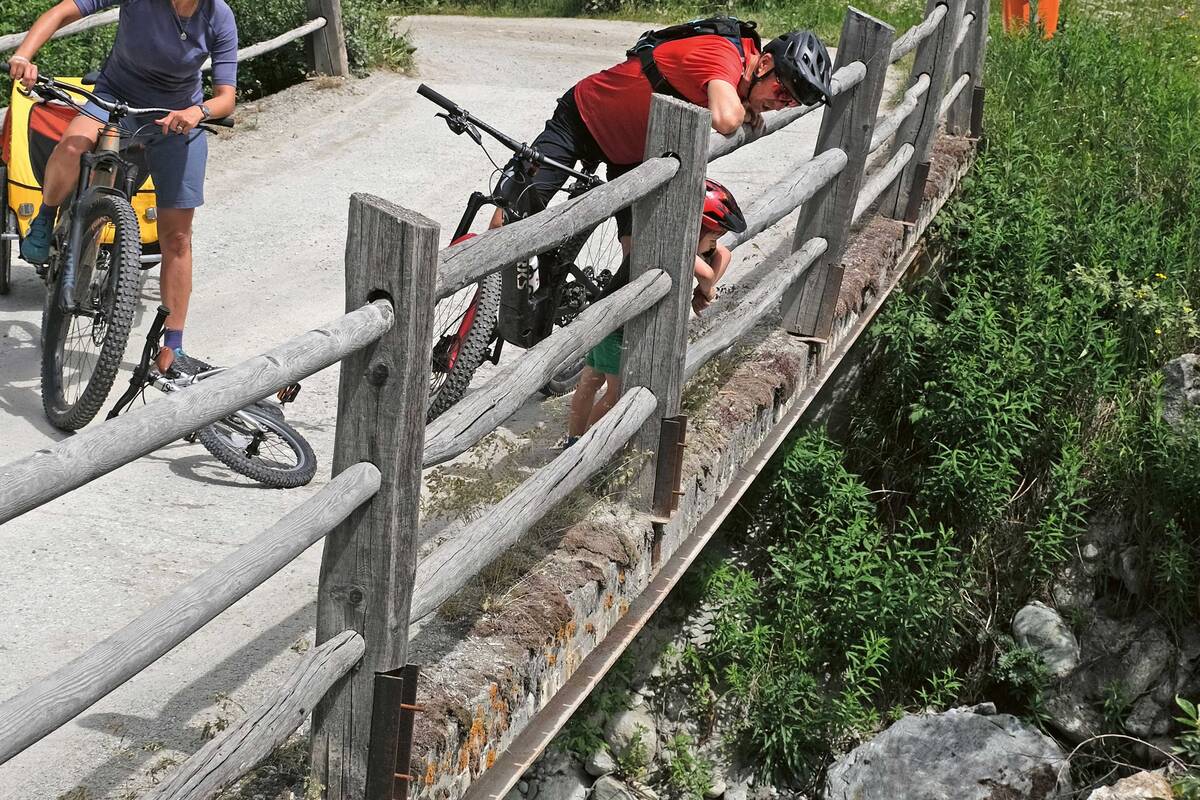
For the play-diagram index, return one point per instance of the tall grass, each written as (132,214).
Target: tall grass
(1013,395)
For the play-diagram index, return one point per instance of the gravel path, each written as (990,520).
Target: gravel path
(269,264)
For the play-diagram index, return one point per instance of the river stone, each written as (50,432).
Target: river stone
(600,763)
(1042,630)
(957,755)
(1145,660)
(1074,717)
(1180,392)
(1142,786)
(609,788)
(625,726)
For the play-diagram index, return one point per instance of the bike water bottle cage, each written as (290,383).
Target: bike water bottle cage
(731,28)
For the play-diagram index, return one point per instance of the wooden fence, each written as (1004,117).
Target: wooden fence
(371,584)
(327,54)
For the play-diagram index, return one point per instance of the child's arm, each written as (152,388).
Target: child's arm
(707,277)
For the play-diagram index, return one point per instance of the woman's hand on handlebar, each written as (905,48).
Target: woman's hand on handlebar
(180,121)
(23,70)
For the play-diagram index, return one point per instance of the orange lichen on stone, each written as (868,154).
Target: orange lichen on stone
(491,758)
(590,628)
(621,576)
(464,760)
(608,601)
(624,608)
(552,659)
(571,628)
(430,774)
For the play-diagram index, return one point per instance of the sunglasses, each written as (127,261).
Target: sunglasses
(809,96)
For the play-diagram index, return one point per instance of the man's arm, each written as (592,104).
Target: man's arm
(728,113)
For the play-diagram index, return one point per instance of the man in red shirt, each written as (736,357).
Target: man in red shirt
(604,117)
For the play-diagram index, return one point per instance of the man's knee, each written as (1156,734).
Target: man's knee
(175,243)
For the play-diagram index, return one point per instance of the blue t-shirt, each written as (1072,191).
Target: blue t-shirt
(152,66)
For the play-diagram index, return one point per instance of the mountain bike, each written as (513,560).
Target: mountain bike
(253,441)
(520,304)
(93,275)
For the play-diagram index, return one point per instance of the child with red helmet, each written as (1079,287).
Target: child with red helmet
(721,214)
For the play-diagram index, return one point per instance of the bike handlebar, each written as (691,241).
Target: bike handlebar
(522,150)
(59,88)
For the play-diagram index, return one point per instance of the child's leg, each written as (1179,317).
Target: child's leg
(612,391)
(590,382)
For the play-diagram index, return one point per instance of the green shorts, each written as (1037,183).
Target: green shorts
(606,356)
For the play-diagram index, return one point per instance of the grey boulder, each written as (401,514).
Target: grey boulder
(1042,630)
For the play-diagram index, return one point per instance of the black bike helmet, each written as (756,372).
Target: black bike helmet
(803,66)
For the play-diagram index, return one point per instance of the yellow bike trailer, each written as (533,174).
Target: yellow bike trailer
(31,129)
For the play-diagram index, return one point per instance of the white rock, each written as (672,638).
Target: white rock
(1142,786)
(609,788)
(600,763)
(1042,630)
(626,726)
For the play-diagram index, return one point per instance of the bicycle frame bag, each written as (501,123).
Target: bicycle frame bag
(731,28)
(32,128)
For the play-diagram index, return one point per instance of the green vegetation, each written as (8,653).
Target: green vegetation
(1014,393)
(369,43)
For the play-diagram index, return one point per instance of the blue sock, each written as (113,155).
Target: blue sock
(48,212)
(173,340)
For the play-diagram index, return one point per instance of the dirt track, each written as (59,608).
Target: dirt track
(268,252)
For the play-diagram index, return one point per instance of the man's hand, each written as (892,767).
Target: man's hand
(22,69)
(180,121)
(753,118)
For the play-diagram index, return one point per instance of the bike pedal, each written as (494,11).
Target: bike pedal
(288,394)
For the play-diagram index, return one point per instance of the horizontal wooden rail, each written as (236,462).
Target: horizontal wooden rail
(784,197)
(773,121)
(255,50)
(736,322)
(473,418)
(476,544)
(12,41)
(881,180)
(886,125)
(909,40)
(464,264)
(953,93)
(65,693)
(69,464)
(237,750)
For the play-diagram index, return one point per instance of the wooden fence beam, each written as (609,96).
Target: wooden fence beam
(370,560)
(666,228)
(327,47)
(848,124)
(236,751)
(919,130)
(969,59)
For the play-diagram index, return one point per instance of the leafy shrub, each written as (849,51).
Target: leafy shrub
(687,776)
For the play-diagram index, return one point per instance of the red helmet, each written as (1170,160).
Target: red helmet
(721,212)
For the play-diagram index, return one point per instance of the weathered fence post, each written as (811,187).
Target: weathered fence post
(666,227)
(847,124)
(965,116)
(370,560)
(933,58)
(328,46)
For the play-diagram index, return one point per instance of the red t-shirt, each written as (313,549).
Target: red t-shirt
(615,103)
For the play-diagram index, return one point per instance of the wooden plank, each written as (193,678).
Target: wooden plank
(794,189)
(328,44)
(666,227)
(59,697)
(736,322)
(970,60)
(919,129)
(483,410)
(12,41)
(844,79)
(472,546)
(464,264)
(238,749)
(99,449)
(369,561)
(918,33)
(881,180)
(886,125)
(255,50)
(847,125)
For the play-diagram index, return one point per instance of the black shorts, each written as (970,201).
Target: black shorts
(567,140)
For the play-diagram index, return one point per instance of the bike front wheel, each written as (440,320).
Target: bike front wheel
(261,446)
(464,325)
(85,328)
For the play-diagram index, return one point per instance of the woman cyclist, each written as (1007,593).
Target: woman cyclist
(155,61)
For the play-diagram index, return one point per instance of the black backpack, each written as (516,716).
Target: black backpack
(731,28)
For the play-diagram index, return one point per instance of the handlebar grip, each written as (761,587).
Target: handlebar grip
(221,122)
(4,67)
(441,100)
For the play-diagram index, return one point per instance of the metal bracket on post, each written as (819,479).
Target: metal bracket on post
(977,112)
(916,193)
(668,472)
(392,719)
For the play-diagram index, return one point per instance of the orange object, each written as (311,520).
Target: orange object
(1015,14)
